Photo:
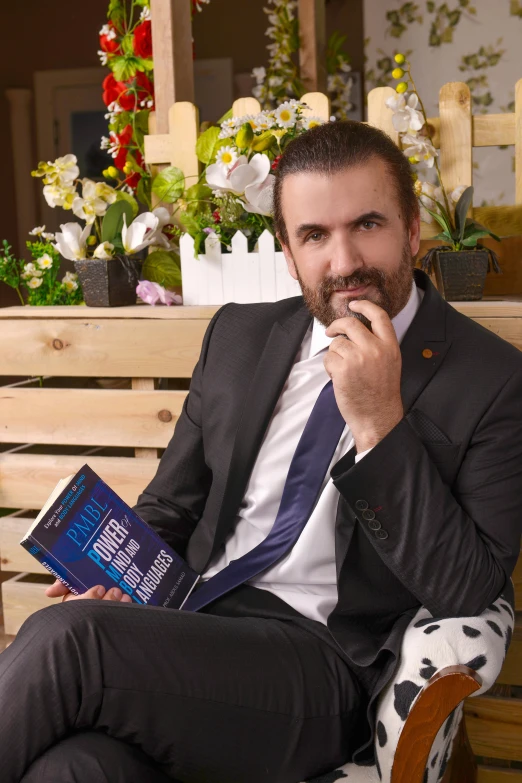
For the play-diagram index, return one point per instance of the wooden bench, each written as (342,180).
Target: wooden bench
(128,427)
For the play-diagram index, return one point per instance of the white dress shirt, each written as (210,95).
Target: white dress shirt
(306,577)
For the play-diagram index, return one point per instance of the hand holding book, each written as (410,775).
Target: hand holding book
(90,539)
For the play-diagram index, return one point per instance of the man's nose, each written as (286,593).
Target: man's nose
(345,258)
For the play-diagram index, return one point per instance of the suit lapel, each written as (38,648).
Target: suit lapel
(267,383)
(426,333)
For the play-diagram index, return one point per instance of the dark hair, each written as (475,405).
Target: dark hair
(334,146)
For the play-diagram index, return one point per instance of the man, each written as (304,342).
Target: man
(338,463)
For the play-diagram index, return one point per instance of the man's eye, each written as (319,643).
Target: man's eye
(368,224)
(315,236)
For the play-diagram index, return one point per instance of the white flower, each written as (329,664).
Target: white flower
(71,243)
(257,92)
(144,231)
(241,175)
(105,143)
(45,261)
(421,149)
(285,115)
(104,251)
(37,231)
(457,193)
(48,236)
(66,170)
(58,196)
(264,121)
(96,196)
(145,14)
(310,122)
(259,74)
(260,198)
(104,57)
(31,271)
(70,281)
(35,282)
(405,118)
(226,157)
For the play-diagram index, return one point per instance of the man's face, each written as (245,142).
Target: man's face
(347,231)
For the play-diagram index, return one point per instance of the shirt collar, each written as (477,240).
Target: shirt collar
(401,322)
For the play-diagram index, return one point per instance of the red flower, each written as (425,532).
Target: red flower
(275,162)
(143,39)
(109,44)
(123,139)
(133,180)
(128,94)
(216,216)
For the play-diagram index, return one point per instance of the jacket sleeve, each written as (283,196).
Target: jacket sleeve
(173,502)
(452,548)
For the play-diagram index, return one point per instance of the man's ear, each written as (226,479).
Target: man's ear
(288,256)
(414,235)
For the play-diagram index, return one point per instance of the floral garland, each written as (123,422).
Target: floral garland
(280,79)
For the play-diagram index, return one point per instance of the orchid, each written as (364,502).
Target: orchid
(63,172)
(240,176)
(420,149)
(104,251)
(143,232)
(58,196)
(406,118)
(260,198)
(151,293)
(72,241)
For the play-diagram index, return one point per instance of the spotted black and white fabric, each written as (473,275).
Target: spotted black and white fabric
(429,645)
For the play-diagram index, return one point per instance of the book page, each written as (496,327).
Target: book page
(50,500)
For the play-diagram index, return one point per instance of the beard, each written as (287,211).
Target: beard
(393,291)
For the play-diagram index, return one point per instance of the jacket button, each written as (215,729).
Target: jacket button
(382,534)
(374,524)
(368,514)
(360,505)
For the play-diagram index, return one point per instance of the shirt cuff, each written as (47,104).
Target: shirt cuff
(362,454)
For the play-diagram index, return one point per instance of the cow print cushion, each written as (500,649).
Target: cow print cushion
(430,644)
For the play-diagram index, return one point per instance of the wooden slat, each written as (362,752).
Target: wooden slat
(380,116)
(498,775)
(455,135)
(319,105)
(27,480)
(511,673)
(101,348)
(164,415)
(495,727)
(184,130)
(172,42)
(243,106)
(90,417)
(22,596)
(518,145)
(488,130)
(14,557)
(312,47)
(505,221)
(141,311)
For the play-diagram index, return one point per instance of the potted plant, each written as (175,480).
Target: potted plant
(460,265)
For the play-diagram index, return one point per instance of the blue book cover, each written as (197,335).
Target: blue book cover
(86,535)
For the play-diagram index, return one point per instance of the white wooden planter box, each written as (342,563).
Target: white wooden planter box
(215,278)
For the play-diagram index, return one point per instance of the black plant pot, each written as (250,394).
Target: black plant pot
(461,274)
(109,283)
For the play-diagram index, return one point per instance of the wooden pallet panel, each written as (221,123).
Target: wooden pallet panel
(498,775)
(89,417)
(22,596)
(495,727)
(14,557)
(26,480)
(101,348)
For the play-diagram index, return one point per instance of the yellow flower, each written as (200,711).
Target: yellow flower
(399,59)
(401,87)
(397,73)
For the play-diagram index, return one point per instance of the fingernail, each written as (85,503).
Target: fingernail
(126,598)
(116,592)
(100,591)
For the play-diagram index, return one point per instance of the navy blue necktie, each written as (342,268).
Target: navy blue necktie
(307,470)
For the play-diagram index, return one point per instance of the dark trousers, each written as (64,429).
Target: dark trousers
(103,692)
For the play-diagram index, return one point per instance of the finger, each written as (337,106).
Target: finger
(114,594)
(342,347)
(382,327)
(351,328)
(56,590)
(126,599)
(98,591)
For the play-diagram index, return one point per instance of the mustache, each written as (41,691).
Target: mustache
(330,284)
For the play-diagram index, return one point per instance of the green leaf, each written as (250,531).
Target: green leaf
(122,195)
(461,210)
(199,243)
(143,192)
(127,44)
(124,67)
(479,227)
(190,224)
(169,184)
(441,221)
(441,237)
(197,198)
(113,221)
(471,240)
(206,145)
(162,267)
(227,116)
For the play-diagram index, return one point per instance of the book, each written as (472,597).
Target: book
(86,535)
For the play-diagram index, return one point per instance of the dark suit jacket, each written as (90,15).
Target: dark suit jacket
(445,484)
